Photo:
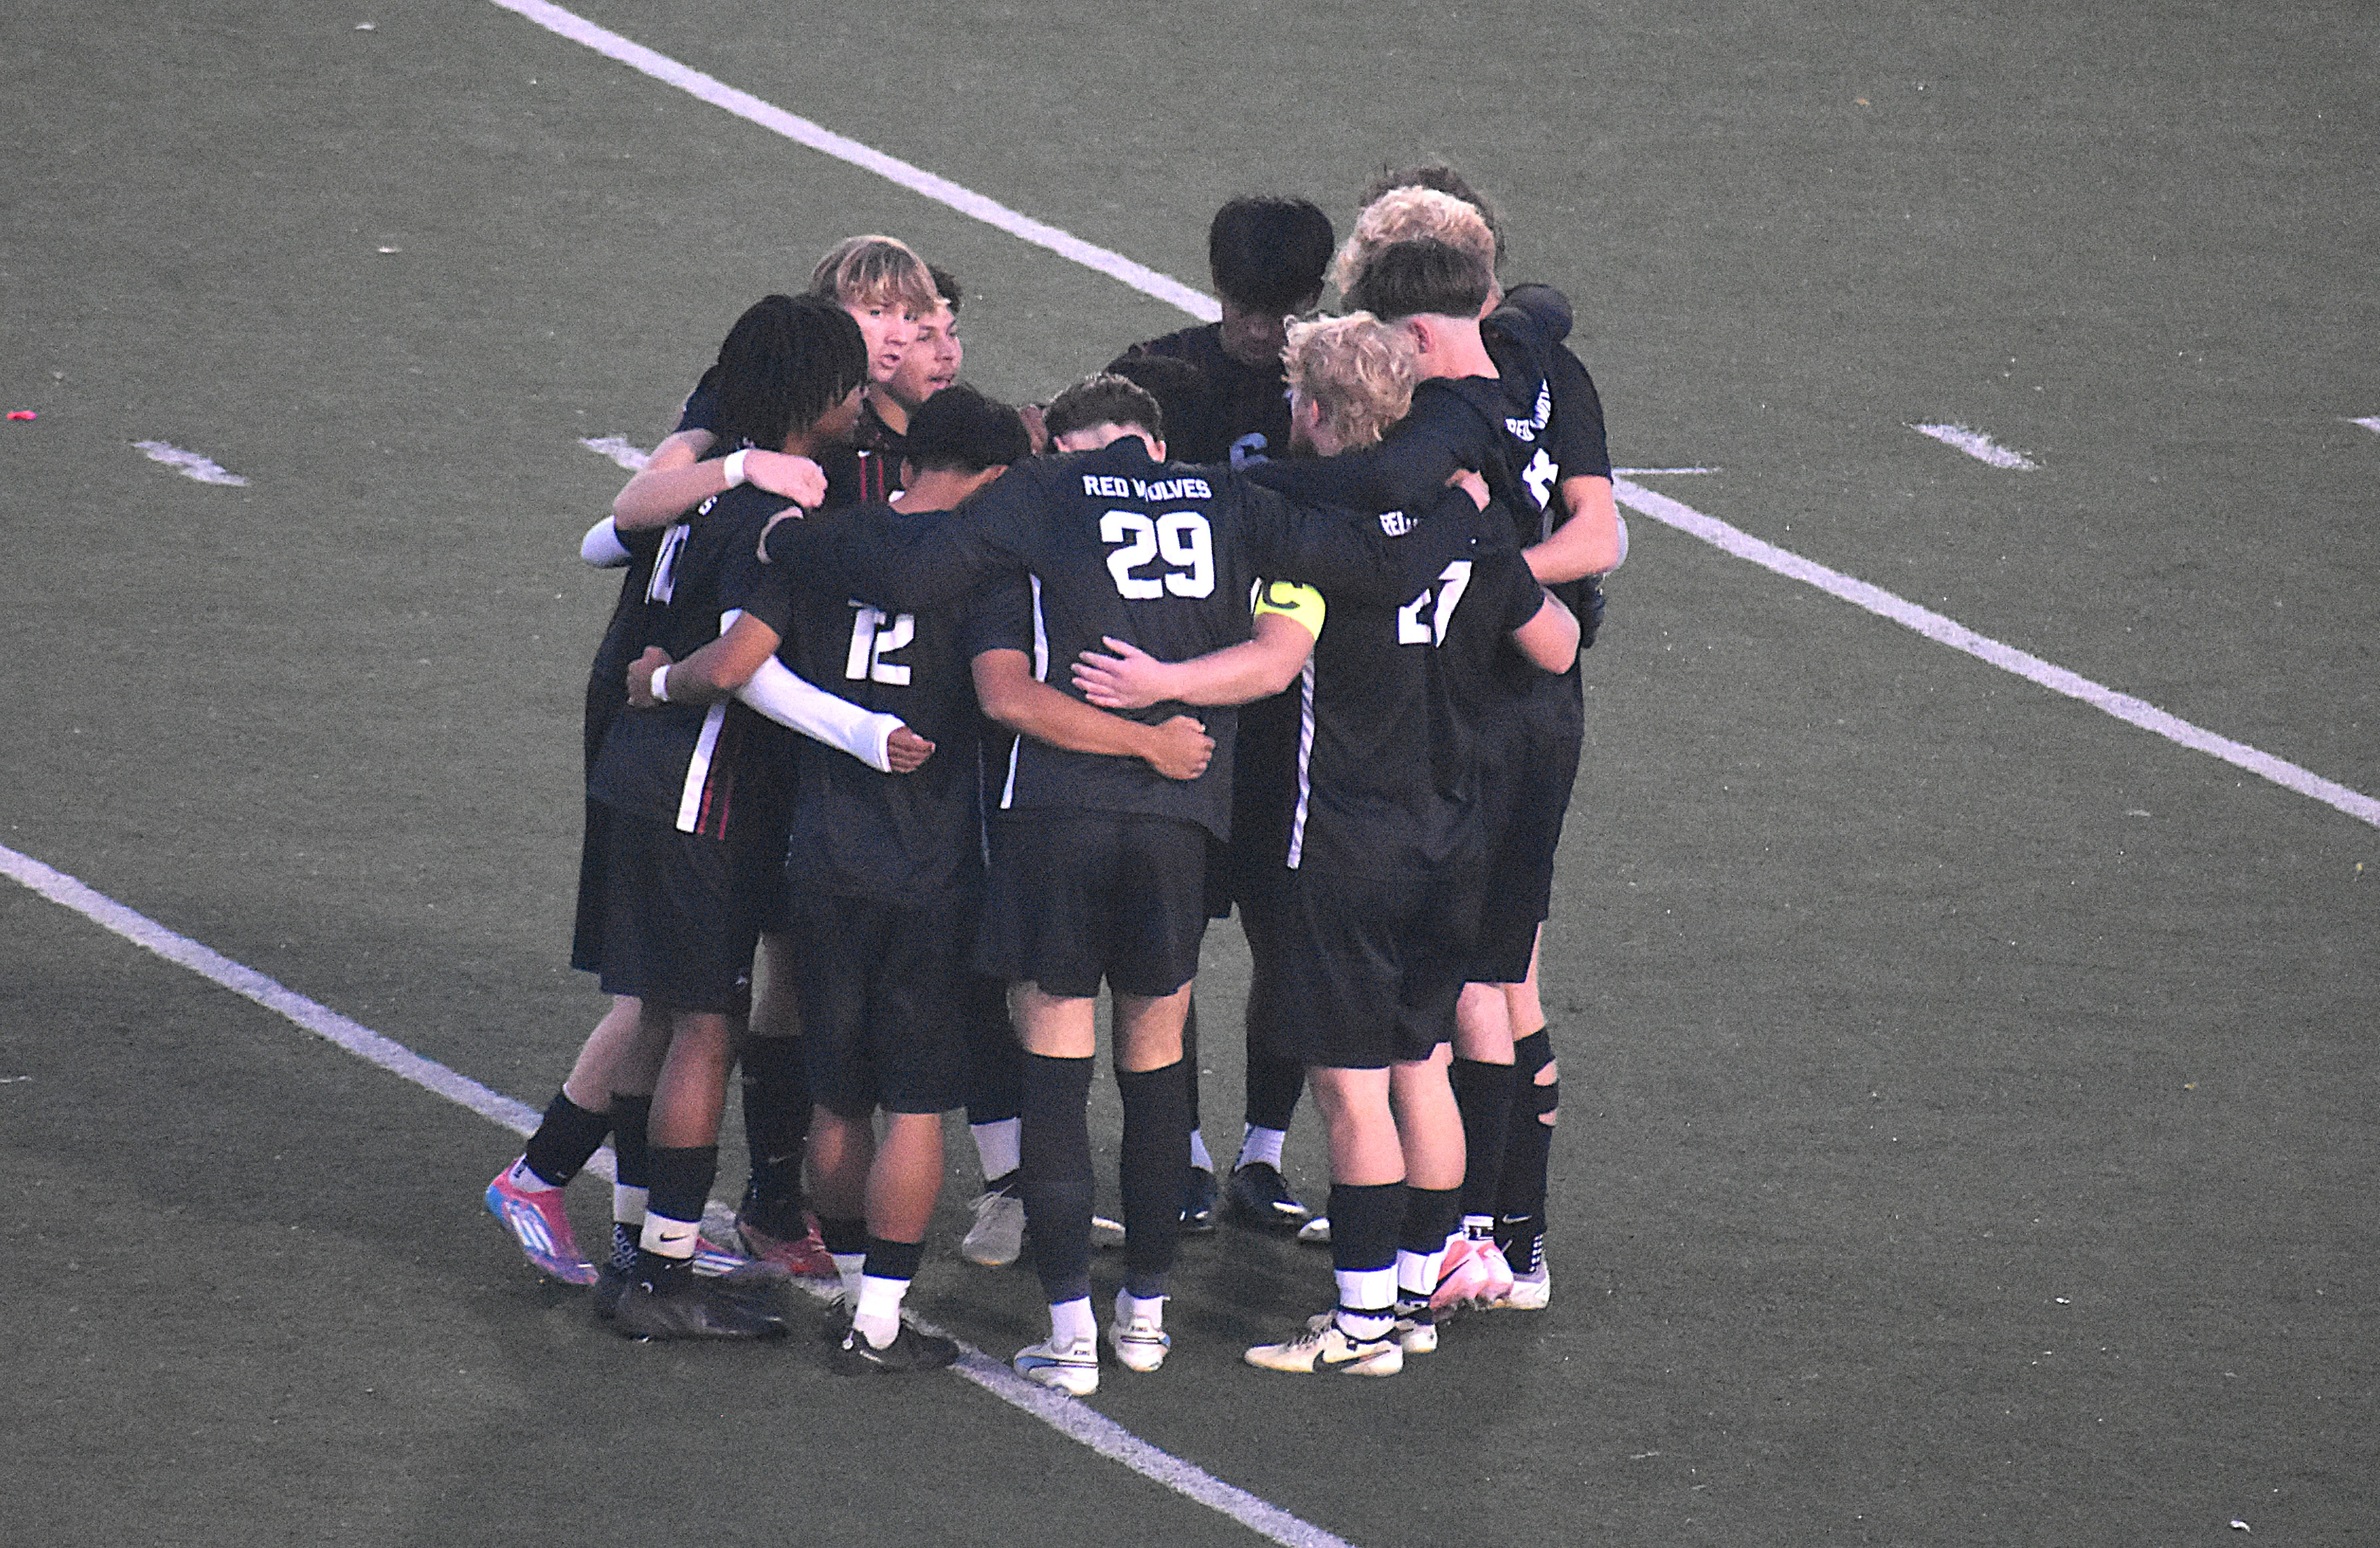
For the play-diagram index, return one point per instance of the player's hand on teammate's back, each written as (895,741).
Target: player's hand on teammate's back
(1129,679)
(906,751)
(1471,484)
(796,478)
(640,677)
(1181,748)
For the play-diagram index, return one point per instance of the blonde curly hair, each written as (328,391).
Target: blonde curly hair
(1357,369)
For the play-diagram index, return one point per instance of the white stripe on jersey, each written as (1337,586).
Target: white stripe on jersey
(1305,760)
(698,768)
(1041,674)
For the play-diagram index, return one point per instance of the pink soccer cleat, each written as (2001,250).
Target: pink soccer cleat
(1474,1275)
(540,1228)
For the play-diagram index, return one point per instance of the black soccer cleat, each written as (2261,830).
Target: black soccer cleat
(909,1351)
(1198,1202)
(702,1309)
(1257,1196)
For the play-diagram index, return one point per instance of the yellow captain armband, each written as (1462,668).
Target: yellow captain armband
(1301,605)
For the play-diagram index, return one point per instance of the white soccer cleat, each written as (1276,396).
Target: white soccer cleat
(1325,1349)
(997,1238)
(1140,1342)
(1315,1232)
(1529,1292)
(1069,1368)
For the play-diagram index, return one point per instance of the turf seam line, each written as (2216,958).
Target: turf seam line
(1068,1416)
(908,175)
(1949,631)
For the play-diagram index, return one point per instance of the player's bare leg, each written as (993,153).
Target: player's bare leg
(1367,1210)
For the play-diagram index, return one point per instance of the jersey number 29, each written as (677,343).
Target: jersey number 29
(1180,538)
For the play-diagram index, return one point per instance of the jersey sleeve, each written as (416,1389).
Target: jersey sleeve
(1579,444)
(1440,435)
(701,409)
(998,616)
(1500,579)
(908,563)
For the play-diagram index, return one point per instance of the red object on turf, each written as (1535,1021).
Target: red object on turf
(22,414)
(805,1254)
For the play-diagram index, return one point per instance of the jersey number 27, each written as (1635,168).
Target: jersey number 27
(1438,602)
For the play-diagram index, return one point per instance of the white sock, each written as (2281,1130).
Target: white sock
(628,1205)
(1367,1301)
(1417,1273)
(1480,1228)
(999,1146)
(1198,1152)
(879,1315)
(1262,1145)
(849,1267)
(524,1177)
(1130,1306)
(1072,1322)
(667,1238)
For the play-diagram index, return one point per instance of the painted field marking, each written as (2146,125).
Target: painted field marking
(1949,631)
(1979,446)
(1658,472)
(1066,1415)
(189,464)
(622,451)
(822,139)
(2372,424)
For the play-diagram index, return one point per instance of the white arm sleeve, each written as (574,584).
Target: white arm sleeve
(796,703)
(602,548)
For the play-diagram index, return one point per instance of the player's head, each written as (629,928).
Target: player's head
(1267,255)
(1350,378)
(961,435)
(1423,277)
(885,287)
(1104,408)
(931,362)
(1446,180)
(1179,387)
(790,365)
(1407,214)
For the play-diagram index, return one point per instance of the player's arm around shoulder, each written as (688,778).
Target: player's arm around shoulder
(1288,622)
(1005,686)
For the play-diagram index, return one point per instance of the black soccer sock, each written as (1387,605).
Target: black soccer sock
(1057,1174)
(1190,1059)
(995,1061)
(843,1234)
(1483,1092)
(681,1186)
(1528,1152)
(1428,1219)
(1273,1087)
(776,1129)
(565,1138)
(1156,1157)
(1364,1220)
(633,1177)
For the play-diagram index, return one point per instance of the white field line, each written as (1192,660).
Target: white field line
(2372,424)
(819,138)
(189,464)
(622,451)
(1657,472)
(1949,631)
(1978,445)
(1064,1414)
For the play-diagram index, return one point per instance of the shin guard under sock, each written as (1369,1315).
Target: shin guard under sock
(1156,1157)
(565,1138)
(1056,1174)
(1273,1088)
(681,1186)
(1484,1095)
(1364,1220)
(776,1090)
(632,1176)
(1528,1151)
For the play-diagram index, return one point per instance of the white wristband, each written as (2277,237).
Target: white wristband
(661,684)
(735,466)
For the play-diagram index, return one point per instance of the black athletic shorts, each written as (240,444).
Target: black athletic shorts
(1080,896)
(677,930)
(1527,766)
(586,933)
(1356,973)
(886,997)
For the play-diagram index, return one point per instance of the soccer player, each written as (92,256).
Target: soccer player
(1104,881)
(1267,255)
(696,847)
(1359,924)
(1511,1100)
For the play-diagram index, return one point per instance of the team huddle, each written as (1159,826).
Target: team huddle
(921,718)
